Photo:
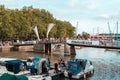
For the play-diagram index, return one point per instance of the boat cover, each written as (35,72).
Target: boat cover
(15,63)
(21,77)
(40,59)
(36,58)
(75,66)
(7,76)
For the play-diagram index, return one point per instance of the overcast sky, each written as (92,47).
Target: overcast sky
(92,15)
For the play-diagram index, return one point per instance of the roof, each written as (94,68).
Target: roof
(14,61)
(36,58)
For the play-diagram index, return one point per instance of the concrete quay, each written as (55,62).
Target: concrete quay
(13,48)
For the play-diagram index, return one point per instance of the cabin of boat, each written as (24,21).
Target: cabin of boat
(15,65)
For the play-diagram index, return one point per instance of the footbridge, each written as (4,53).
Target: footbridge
(86,43)
(41,46)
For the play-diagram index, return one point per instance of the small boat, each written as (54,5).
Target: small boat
(13,69)
(35,68)
(41,66)
(13,66)
(79,68)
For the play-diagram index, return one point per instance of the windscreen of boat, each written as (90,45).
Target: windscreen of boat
(83,63)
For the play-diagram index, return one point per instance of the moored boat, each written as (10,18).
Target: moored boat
(42,67)
(34,69)
(79,68)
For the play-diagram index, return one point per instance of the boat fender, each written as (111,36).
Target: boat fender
(84,75)
(92,72)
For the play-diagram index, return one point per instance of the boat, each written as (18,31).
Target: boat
(13,69)
(44,68)
(13,66)
(79,68)
(35,68)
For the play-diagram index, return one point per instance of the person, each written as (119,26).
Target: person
(61,62)
(56,67)
(34,68)
(48,61)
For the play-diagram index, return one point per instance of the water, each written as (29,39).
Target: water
(106,63)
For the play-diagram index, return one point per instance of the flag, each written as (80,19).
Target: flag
(49,27)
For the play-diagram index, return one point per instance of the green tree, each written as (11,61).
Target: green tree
(85,35)
(17,23)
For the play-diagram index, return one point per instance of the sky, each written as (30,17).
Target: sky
(92,16)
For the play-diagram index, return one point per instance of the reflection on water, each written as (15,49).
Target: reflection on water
(106,63)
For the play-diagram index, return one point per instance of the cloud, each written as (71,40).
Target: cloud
(90,25)
(74,3)
(83,4)
(7,1)
(104,16)
(110,16)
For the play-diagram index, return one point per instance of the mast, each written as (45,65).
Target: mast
(98,30)
(93,31)
(76,28)
(117,28)
(110,32)
(117,33)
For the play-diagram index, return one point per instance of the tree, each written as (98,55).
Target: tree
(85,35)
(17,23)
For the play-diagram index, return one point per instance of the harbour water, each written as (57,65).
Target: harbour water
(105,62)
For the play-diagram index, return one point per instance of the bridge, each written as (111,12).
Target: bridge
(42,46)
(88,44)
(41,42)
(46,46)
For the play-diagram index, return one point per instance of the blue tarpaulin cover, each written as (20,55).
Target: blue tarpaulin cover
(75,66)
(16,65)
(36,58)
